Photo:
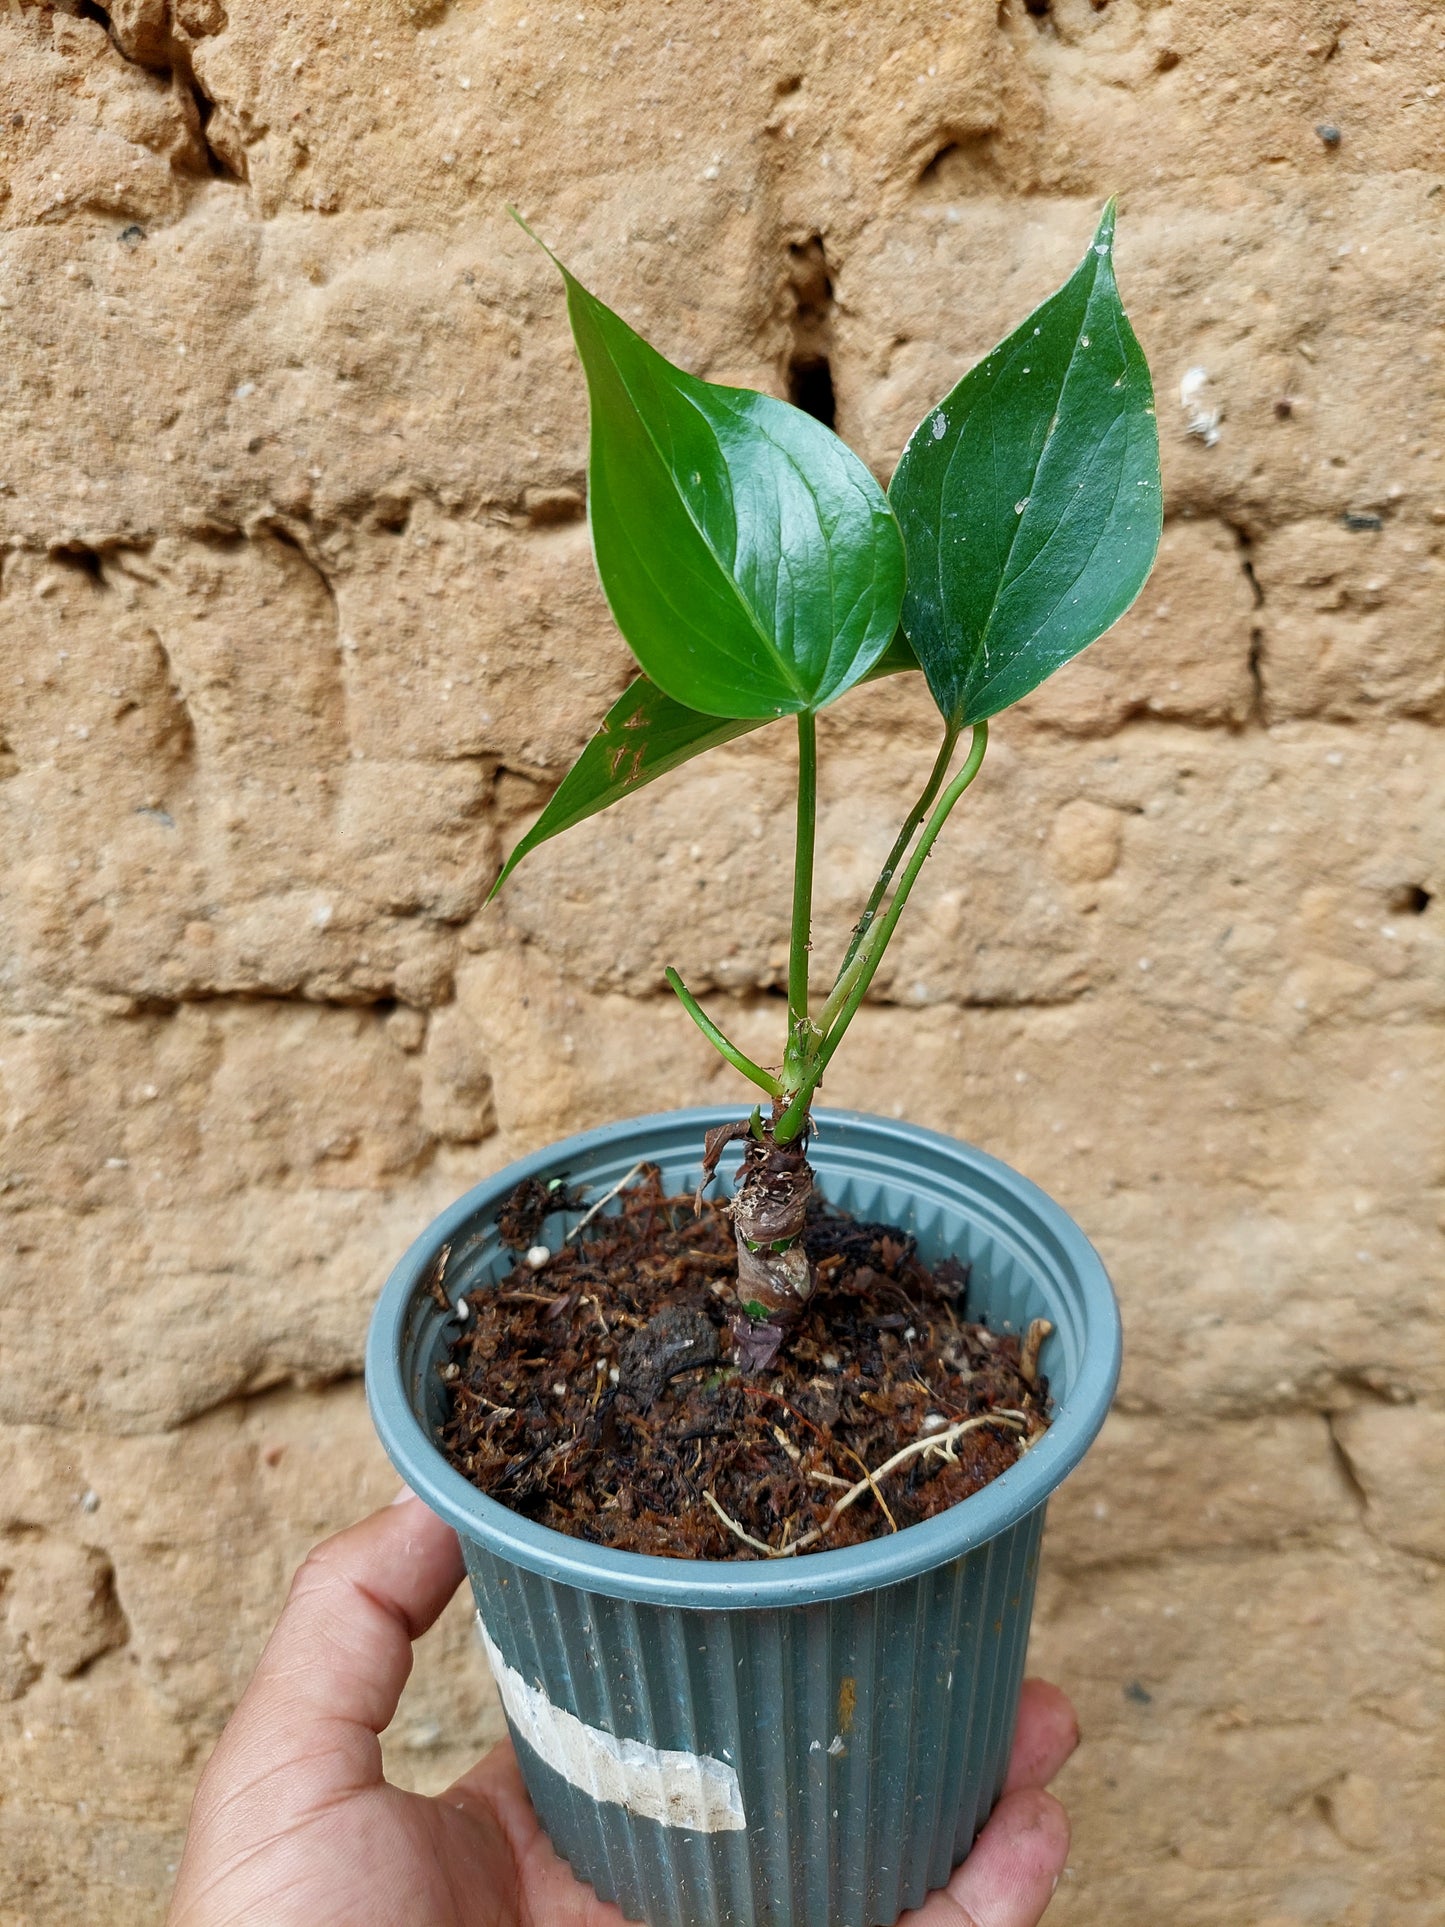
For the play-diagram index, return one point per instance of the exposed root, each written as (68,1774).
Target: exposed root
(606,1198)
(935,1445)
(871,1481)
(746,1537)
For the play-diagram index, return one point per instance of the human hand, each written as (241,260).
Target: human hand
(293,1824)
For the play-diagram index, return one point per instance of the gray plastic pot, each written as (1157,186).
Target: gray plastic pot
(808,1742)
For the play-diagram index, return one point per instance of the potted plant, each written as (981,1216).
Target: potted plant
(805,1733)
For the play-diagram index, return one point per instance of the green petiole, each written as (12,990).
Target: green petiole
(860,973)
(895,857)
(739,1060)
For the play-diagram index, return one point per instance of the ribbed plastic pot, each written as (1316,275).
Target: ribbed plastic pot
(807,1742)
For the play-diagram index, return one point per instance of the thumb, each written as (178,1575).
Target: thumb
(333,1669)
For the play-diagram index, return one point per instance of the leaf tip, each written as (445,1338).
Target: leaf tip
(532,235)
(1104,233)
(506,870)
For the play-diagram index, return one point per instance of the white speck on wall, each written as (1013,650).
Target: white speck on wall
(1203,419)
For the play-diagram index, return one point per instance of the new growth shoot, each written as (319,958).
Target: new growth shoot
(758,571)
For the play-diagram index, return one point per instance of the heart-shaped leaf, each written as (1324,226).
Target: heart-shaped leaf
(644,735)
(749,557)
(1029,498)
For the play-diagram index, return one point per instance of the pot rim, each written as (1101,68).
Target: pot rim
(729,1585)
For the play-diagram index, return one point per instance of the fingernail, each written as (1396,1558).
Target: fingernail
(402,1496)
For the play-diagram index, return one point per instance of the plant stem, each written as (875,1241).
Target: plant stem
(802,888)
(872,952)
(869,957)
(895,857)
(739,1060)
(842,990)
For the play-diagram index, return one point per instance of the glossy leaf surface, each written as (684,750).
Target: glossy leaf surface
(749,557)
(1030,500)
(644,735)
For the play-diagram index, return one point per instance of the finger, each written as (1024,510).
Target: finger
(493,1791)
(1009,1878)
(341,1650)
(495,1785)
(1048,1732)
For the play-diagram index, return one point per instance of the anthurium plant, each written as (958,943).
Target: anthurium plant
(758,571)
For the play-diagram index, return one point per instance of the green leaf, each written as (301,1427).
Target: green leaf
(644,735)
(749,557)
(1030,500)
(897,659)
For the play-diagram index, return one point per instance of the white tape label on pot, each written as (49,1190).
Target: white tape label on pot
(690,1790)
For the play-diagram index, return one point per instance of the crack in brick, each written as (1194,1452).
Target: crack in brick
(1345,1465)
(172,58)
(809,369)
(1244,542)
